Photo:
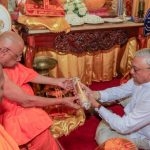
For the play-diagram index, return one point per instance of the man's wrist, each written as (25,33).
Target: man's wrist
(97,95)
(98,106)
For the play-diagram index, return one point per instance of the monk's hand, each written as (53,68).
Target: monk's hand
(65,83)
(71,102)
(86,89)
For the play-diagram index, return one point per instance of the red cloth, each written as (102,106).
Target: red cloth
(23,124)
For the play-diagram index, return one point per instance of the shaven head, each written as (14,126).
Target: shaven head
(11,48)
(10,37)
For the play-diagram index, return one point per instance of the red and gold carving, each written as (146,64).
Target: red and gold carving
(43,8)
(80,42)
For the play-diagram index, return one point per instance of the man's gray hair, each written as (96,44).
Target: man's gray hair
(145,52)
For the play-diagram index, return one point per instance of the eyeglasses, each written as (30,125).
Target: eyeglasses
(16,56)
(135,69)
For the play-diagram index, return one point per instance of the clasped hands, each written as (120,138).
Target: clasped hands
(74,101)
(93,96)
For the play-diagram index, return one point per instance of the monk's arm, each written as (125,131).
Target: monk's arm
(61,82)
(15,93)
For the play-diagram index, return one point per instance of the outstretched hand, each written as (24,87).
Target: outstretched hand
(92,96)
(65,83)
(71,102)
(86,89)
(93,101)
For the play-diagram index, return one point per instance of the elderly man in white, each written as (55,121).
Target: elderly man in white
(135,123)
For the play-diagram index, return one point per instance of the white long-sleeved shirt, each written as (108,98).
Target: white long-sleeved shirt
(136,120)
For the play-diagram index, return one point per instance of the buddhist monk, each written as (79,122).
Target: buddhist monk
(6,141)
(22,114)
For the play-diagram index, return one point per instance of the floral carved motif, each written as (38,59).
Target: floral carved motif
(90,41)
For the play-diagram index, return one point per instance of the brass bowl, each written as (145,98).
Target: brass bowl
(44,63)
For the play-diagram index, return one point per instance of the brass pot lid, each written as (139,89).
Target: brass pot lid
(43,72)
(44,62)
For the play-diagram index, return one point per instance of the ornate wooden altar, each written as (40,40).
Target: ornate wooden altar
(75,54)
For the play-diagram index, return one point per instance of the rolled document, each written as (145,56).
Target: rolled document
(82,96)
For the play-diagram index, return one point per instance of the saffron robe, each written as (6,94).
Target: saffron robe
(23,124)
(6,141)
